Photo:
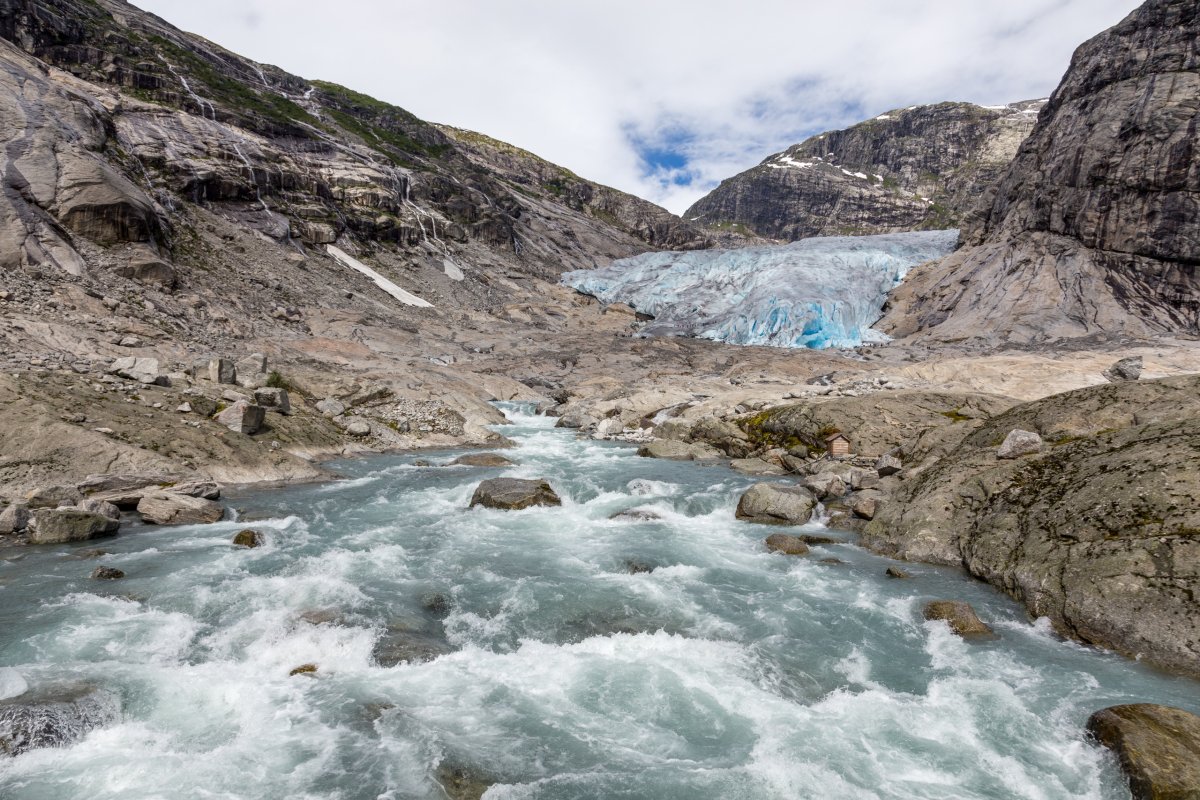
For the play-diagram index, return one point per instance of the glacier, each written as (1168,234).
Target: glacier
(821,292)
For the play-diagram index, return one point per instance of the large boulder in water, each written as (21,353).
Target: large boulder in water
(58,525)
(788,545)
(171,508)
(514,493)
(1158,747)
(961,618)
(54,717)
(775,504)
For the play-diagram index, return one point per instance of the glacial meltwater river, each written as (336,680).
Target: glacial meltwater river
(726,672)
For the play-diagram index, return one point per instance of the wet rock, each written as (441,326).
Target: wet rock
(437,604)
(402,644)
(635,567)
(107,574)
(812,538)
(243,417)
(896,572)
(888,465)
(788,545)
(222,370)
(170,508)
(55,717)
(1127,369)
(102,507)
(1019,443)
(514,493)
(53,497)
(422,462)
(1158,747)
(776,504)
(460,783)
(482,460)
(14,518)
(303,669)
(831,560)
(58,525)
(273,400)
(248,538)
(636,515)
(960,616)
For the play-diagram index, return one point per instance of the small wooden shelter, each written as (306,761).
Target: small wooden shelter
(836,444)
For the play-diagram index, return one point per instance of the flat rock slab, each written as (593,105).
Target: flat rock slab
(961,617)
(482,460)
(512,494)
(776,504)
(1158,747)
(170,508)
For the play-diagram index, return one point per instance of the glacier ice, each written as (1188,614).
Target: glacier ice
(820,292)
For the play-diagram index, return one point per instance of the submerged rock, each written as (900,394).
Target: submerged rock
(402,643)
(107,574)
(482,460)
(1158,747)
(960,616)
(54,717)
(303,669)
(636,515)
(896,572)
(169,508)
(776,504)
(514,493)
(788,545)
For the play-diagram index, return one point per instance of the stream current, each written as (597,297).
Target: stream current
(532,651)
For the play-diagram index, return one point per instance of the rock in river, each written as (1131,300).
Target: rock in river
(54,717)
(482,460)
(1158,747)
(57,525)
(788,545)
(776,504)
(514,493)
(169,508)
(960,616)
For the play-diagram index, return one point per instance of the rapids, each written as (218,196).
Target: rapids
(556,672)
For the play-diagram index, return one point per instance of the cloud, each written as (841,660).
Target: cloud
(662,99)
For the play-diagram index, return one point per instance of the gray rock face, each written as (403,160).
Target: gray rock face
(1098,532)
(1019,443)
(243,417)
(1158,747)
(1127,369)
(512,494)
(776,504)
(1095,226)
(169,508)
(58,525)
(55,717)
(910,169)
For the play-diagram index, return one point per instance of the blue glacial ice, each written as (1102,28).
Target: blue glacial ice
(820,292)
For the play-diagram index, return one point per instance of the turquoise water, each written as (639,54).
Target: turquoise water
(726,672)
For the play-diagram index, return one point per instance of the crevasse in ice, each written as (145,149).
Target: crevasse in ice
(819,292)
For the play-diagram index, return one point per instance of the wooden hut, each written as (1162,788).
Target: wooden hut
(837,445)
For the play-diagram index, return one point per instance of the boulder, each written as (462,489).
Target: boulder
(142,370)
(1127,369)
(107,574)
(1158,747)
(243,417)
(171,508)
(888,465)
(303,669)
(14,518)
(248,538)
(864,507)
(204,406)
(58,525)
(222,370)
(253,364)
(358,428)
(273,400)
(679,451)
(53,497)
(102,507)
(635,567)
(896,572)
(960,616)
(636,515)
(1019,443)
(206,489)
(776,504)
(482,460)
(608,427)
(331,407)
(55,717)
(403,643)
(514,493)
(754,466)
(788,545)
(148,271)
(825,485)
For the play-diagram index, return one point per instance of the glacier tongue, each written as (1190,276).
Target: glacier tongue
(820,292)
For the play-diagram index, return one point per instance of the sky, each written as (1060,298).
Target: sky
(660,98)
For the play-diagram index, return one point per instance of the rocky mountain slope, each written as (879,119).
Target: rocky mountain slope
(1095,226)
(918,168)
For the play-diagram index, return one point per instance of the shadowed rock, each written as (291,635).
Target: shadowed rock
(960,616)
(512,494)
(248,538)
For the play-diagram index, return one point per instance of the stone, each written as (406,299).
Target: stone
(106,574)
(1157,746)
(331,407)
(203,406)
(303,669)
(776,504)
(608,427)
(437,603)
(358,428)
(184,408)
(754,466)
(53,497)
(785,544)
(206,489)
(405,644)
(248,538)
(960,616)
(14,518)
(482,460)
(253,364)
(1127,369)
(273,399)
(252,380)
(864,507)
(635,567)
(243,417)
(58,525)
(825,485)
(679,451)
(55,717)
(514,493)
(888,465)
(95,505)
(222,370)
(170,508)
(1019,443)
(896,572)
(143,370)
(636,515)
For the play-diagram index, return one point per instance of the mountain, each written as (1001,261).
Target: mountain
(918,168)
(1094,229)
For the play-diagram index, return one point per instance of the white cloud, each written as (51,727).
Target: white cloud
(578,81)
